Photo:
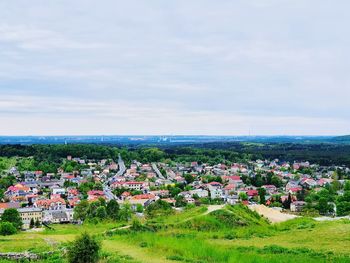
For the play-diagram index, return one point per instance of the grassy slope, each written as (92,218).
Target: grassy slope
(229,235)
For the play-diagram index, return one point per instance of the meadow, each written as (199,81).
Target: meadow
(229,234)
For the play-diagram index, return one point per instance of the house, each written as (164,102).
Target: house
(308,183)
(201,193)
(233,179)
(132,185)
(58,190)
(58,216)
(230,188)
(190,200)
(9,205)
(297,206)
(270,189)
(94,195)
(55,203)
(251,193)
(294,190)
(144,200)
(232,199)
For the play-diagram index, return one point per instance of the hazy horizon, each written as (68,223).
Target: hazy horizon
(252,67)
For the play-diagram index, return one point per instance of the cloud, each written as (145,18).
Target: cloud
(181,67)
(35,39)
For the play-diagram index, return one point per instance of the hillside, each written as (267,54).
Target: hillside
(222,234)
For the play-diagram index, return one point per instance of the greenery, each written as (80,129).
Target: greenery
(231,234)
(12,216)
(85,249)
(7,228)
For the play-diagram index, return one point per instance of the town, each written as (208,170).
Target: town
(87,189)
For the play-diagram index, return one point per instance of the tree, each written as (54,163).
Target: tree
(125,212)
(93,208)
(262,193)
(81,210)
(301,195)
(6,229)
(347,185)
(189,178)
(276,181)
(113,209)
(85,249)
(180,201)
(31,224)
(243,196)
(98,186)
(159,208)
(323,206)
(11,215)
(101,212)
(139,208)
(37,223)
(2,195)
(287,202)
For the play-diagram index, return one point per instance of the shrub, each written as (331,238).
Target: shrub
(85,249)
(7,229)
(11,215)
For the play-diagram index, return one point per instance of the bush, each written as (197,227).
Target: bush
(159,208)
(7,229)
(85,249)
(11,215)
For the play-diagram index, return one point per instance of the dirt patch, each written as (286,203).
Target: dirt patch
(274,216)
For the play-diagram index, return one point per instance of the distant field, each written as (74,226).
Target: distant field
(225,235)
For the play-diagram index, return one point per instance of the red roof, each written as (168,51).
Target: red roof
(295,189)
(229,187)
(215,183)
(95,192)
(144,196)
(133,183)
(252,192)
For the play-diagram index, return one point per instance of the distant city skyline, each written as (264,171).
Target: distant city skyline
(194,67)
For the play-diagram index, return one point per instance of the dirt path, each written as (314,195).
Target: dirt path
(213,208)
(274,216)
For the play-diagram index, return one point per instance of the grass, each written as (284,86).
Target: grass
(231,234)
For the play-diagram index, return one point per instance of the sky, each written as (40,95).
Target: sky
(197,67)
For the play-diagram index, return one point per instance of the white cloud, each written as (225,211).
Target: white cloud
(223,67)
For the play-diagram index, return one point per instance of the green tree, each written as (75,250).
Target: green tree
(85,249)
(125,212)
(243,196)
(37,223)
(158,208)
(180,201)
(189,178)
(113,209)
(81,210)
(262,193)
(6,229)
(101,212)
(11,215)
(276,181)
(323,206)
(139,208)
(32,223)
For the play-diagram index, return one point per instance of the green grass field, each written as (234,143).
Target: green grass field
(232,234)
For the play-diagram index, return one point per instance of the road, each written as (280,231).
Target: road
(106,189)
(156,170)
(121,165)
(108,192)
